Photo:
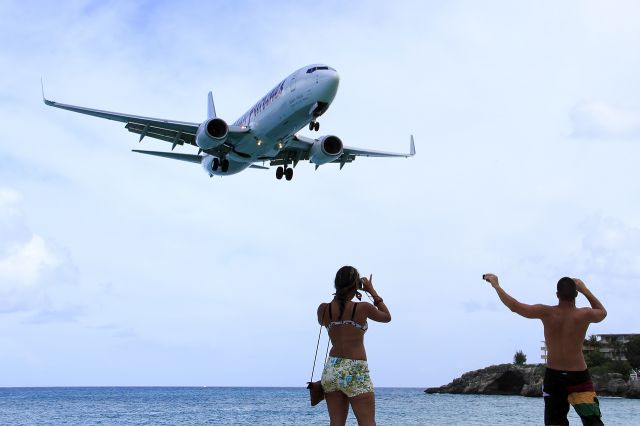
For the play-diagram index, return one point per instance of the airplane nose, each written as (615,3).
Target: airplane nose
(334,78)
(328,85)
(331,81)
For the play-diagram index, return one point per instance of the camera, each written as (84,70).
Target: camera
(361,283)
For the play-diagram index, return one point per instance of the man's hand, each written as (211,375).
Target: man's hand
(491,279)
(580,285)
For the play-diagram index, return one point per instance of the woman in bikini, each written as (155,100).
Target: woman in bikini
(345,378)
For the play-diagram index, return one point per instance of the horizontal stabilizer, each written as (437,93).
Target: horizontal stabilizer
(175,156)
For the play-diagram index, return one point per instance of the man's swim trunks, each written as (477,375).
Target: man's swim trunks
(351,376)
(562,388)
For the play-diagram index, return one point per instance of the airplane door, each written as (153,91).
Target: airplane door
(292,85)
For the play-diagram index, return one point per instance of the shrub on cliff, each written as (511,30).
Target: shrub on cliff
(632,351)
(594,359)
(620,367)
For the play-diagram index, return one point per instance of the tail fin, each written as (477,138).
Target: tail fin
(211,108)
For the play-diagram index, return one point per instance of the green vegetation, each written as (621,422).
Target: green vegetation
(600,365)
(594,359)
(519,358)
(632,352)
(621,367)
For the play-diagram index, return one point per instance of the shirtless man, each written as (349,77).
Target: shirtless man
(566,379)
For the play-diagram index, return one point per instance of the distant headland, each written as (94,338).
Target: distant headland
(526,380)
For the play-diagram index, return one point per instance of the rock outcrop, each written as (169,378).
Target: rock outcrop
(526,380)
(613,384)
(503,379)
(634,389)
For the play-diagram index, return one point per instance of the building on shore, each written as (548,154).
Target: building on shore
(611,346)
(544,351)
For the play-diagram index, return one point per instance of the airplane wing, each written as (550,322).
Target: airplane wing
(175,132)
(300,147)
(372,153)
(192,158)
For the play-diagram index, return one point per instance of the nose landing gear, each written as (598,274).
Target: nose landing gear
(314,125)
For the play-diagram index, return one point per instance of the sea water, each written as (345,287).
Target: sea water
(272,406)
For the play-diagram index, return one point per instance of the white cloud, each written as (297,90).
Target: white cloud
(612,253)
(597,119)
(25,265)
(8,200)
(33,271)
(12,228)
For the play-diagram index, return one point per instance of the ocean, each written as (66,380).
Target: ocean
(271,406)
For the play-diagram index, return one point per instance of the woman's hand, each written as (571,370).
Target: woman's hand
(367,284)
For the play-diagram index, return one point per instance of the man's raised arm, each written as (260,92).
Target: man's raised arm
(598,312)
(527,311)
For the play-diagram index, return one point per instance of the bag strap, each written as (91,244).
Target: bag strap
(315,357)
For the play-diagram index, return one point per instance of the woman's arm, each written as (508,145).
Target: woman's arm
(321,311)
(378,311)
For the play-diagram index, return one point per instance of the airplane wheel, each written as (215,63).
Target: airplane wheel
(215,164)
(311,125)
(288,174)
(279,173)
(225,165)
(316,126)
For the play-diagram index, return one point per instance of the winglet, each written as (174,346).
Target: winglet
(412,147)
(45,100)
(211,108)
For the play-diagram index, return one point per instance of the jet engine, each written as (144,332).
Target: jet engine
(325,150)
(212,133)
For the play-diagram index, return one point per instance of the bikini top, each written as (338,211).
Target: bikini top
(349,321)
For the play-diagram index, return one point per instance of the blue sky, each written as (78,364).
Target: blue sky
(117,269)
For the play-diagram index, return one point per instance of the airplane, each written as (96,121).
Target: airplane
(265,133)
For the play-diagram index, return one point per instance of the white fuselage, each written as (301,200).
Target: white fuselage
(279,115)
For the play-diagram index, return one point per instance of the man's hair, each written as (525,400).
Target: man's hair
(567,289)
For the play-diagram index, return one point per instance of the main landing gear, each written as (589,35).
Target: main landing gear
(314,125)
(224,165)
(285,171)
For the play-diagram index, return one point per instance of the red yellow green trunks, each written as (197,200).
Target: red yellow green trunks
(562,388)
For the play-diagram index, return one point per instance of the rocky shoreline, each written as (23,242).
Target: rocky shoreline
(526,380)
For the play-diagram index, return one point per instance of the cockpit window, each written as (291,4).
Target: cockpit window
(314,69)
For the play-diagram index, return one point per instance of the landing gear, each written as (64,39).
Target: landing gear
(285,171)
(216,164)
(314,125)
